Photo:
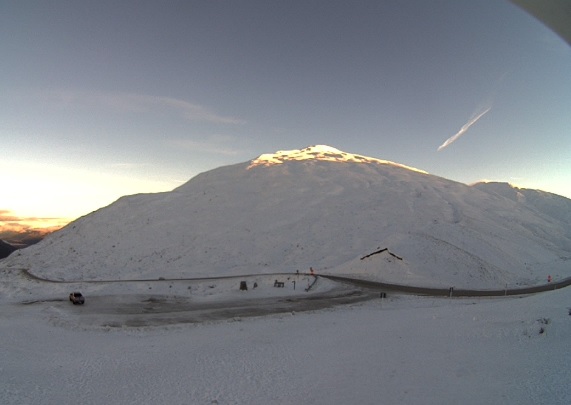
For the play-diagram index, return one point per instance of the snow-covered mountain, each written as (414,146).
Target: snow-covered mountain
(323,208)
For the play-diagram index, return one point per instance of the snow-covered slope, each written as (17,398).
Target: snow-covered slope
(316,207)
(552,206)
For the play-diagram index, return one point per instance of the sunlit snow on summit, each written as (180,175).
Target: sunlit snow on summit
(320,152)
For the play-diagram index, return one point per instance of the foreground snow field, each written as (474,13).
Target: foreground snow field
(402,349)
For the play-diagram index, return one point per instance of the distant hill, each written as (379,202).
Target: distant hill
(323,208)
(5,249)
(552,205)
(22,239)
(17,241)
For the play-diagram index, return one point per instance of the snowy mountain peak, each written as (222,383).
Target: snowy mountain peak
(319,152)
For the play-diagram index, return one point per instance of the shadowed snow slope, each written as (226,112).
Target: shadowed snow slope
(322,208)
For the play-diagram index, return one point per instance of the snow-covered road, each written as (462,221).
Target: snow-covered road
(137,310)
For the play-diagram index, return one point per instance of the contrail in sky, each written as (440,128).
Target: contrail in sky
(464,128)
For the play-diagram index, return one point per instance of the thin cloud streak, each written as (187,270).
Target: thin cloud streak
(7,216)
(195,112)
(126,166)
(463,130)
(136,103)
(216,145)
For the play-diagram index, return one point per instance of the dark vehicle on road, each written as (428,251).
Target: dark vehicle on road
(76,298)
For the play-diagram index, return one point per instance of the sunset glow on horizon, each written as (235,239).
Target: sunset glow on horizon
(49,197)
(12,226)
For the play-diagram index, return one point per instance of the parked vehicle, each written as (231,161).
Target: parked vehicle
(76,298)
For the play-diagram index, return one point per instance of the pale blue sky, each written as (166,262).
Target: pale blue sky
(100,99)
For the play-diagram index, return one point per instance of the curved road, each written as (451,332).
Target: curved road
(375,285)
(147,310)
(139,310)
(445,292)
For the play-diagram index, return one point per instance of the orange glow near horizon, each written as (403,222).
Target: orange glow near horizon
(11,224)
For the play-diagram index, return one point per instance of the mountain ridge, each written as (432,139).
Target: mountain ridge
(321,153)
(316,213)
